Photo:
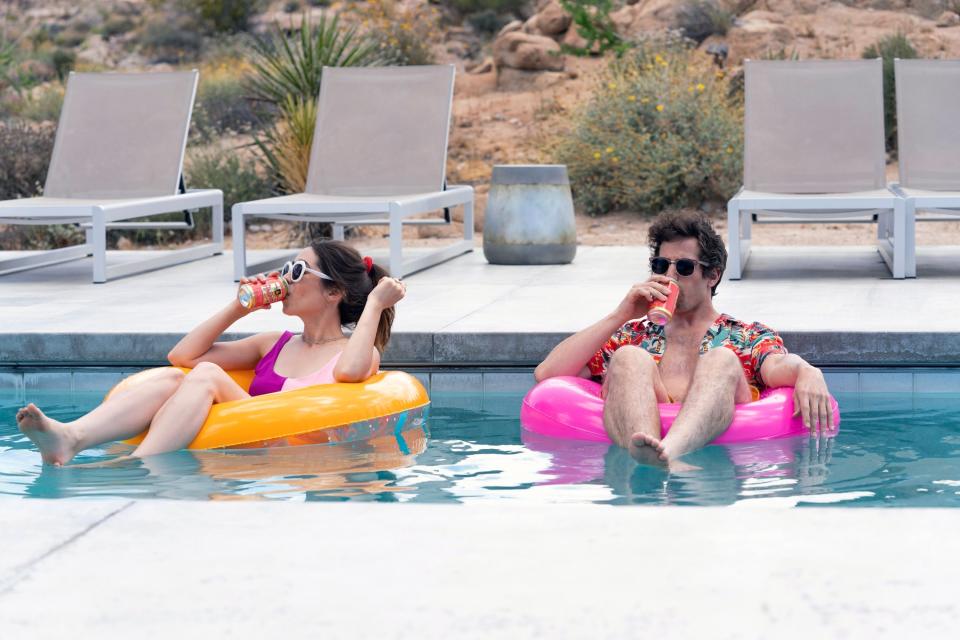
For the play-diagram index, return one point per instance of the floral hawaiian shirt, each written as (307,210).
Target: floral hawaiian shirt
(752,343)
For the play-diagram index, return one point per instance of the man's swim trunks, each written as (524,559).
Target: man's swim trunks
(752,343)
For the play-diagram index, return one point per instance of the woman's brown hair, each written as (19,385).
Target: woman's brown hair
(350,276)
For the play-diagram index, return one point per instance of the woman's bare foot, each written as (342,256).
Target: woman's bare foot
(646,449)
(56,441)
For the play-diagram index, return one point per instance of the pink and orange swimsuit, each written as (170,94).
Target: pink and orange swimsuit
(267,380)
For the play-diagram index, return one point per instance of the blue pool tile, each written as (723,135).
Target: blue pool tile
(886,382)
(937,381)
(11,386)
(842,381)
(443,382)
(508,382)
(56,380)
(97,381)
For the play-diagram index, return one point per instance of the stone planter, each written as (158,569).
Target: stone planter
(529,216)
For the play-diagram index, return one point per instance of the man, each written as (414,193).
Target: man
(707,361)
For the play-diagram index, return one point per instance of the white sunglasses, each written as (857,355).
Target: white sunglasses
(297,268)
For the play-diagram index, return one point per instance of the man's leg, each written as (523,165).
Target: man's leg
(632,388)
(718,386)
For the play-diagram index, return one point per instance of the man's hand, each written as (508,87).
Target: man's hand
(642,295)
(811,399)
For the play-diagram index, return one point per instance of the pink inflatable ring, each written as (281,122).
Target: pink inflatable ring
(569,407)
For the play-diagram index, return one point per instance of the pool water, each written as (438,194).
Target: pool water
(892,451)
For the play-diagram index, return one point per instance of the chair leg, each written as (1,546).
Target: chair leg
(98,231)
(396,244)
(337,233)
(899,239)
(468,220)
(216,211)
(239,246)
(910,208)
(735,262)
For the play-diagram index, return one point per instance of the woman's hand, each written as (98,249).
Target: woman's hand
(642,295)
(388,292)
(260,278)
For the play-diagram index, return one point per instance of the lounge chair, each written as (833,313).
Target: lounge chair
(928,142)
(378,157)
(117,156)
(814,152)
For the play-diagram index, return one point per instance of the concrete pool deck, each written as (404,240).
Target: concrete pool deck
(157,569)
(834,305)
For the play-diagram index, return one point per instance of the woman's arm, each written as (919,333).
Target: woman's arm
(360,359)
(199,345)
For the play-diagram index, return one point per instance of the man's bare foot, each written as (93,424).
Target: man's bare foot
(646,449)
(56,441)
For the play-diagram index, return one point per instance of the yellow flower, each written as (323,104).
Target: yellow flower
(658,59)
(611,85)
(644,100)
(690,88)
(632,98)
(596,155)
(659,107)
(719,74)
(729,149)
(701,86)
(614,159)
(609,149)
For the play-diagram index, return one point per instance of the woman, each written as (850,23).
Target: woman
(331,286)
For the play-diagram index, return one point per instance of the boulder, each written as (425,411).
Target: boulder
(552,20)
(948,19)
(527,52)
(510,27)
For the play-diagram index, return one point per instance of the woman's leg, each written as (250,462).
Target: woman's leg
(179,420)
(124,415)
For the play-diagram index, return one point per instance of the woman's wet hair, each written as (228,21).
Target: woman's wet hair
(350,276)
(678,225)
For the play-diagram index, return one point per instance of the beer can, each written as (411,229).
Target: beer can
(662,311)
(254,295)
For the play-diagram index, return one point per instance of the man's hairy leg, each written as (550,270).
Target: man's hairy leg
(718,385)
(632,388)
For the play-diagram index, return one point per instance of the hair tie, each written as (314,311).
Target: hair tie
(368,261)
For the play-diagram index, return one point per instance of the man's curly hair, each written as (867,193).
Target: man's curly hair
(677,225)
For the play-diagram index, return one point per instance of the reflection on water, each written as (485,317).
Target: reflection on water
(891,451)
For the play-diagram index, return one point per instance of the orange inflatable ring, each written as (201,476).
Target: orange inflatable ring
(389,402)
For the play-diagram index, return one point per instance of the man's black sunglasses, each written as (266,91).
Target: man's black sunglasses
(685,266)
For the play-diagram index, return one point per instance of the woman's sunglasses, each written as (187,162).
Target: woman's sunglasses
(685,266)
(297,268)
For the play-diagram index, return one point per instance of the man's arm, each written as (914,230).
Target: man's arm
(811,398)
(570,357)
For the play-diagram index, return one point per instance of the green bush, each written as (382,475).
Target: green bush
(63,62)
(700,19)
(220,16)
(659,132)
(43,105)
(26,154)
(403,34)
(223,105)
(888,48)
(23,171)
(116,26)
(230,171)
(487,22)
(591,19)
(171,41)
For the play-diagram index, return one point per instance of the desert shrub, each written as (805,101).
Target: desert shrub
(658,132)
(700,19)
(286,146)
(70,37)
(26,154)
(229,170)
(116,26)
(171,39)
(888,48)
(43,104)
(403,34)
(487,22)
(63,62)
(223,104)
(466,7)
(591,19)
(218,16)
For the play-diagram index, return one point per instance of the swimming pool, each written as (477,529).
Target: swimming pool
(895,449)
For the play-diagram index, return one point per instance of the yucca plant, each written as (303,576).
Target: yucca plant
(286,146)
(294,66)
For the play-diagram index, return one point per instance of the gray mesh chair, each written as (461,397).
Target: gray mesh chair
(814,152)
(928,142)
(378,157)
(117,157)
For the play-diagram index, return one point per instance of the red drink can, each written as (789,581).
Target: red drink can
(254,295)
(662,311)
